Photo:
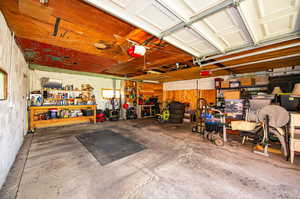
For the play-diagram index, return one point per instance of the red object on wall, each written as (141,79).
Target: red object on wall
(205,73)
(125,106)
(130,52)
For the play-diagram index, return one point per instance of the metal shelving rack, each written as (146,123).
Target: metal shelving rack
(250,91)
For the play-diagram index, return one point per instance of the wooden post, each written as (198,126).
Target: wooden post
(31,117)
(95,109)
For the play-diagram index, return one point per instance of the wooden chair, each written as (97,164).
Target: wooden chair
(295,135)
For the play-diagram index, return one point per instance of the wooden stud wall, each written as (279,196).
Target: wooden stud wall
(150,90)
(189,96)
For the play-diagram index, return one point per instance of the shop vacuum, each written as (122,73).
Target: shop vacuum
(100,116)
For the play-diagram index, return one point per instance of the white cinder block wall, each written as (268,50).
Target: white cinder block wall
(13,114)
(96,82)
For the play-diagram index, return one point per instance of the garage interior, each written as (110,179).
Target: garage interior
(149,99)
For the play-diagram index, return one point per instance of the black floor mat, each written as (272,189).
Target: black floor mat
(108,146)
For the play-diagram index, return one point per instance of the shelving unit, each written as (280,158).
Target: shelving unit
(246,93)
(148,90)
(148,109)
(60,97)
(243,87)
(33,110)
(136,90)
(130,92)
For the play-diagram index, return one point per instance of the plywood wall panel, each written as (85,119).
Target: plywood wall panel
(189,96)
(151,90)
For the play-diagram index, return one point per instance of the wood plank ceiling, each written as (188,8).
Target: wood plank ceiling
(80,27)
(67,34)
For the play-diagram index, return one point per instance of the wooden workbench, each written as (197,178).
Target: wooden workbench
(33,124)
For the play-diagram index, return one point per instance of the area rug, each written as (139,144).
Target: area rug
(107,146)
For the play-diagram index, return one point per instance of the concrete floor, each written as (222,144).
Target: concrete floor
(53,164)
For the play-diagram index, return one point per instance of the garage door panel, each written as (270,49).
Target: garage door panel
(189,8)
(269,7)
(156,15)
(282,24)
(203,47)
(122,3)
(173,40)
(221,21)
(186,36)
(271,18)
(225,29)
(209,34)
(222,31)
(234,39)
(191,38)
(199,6)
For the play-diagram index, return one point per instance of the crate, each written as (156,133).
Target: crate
(247,81)
(232,95)
(225,84)
(261,80)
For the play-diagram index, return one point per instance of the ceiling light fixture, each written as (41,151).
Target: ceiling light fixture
(45,2)
(100,45)
(153,72)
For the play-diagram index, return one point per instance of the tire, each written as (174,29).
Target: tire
(194,129)
(176,108)
(209,136)
(205,135)
(176,116)
(176,105)
(218,141)
(181,112)
(177,121)
(214,136)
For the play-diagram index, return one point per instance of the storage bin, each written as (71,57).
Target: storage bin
(225,84)
(87,112)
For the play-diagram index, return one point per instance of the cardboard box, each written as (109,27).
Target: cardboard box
(232,95)
(234,109)
(247,81)
(261,80)
(225,84)
(234,84)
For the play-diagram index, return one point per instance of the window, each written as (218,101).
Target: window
(3,85)
(109,93)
